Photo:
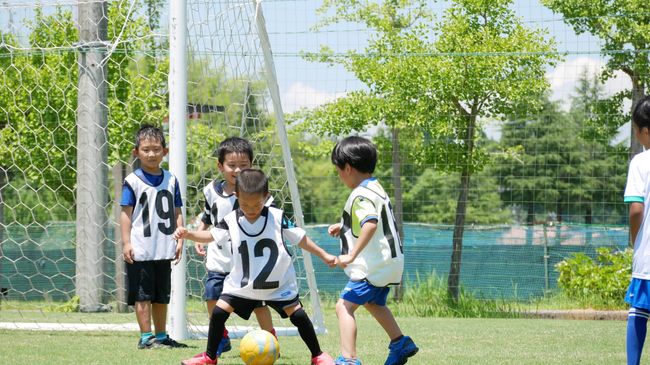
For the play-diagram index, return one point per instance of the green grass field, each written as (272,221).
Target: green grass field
(441,341)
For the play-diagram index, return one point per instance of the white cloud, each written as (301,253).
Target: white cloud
(565,76)
(300,95)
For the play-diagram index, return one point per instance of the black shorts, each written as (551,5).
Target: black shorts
(243,307)
(149,281)
(214,285)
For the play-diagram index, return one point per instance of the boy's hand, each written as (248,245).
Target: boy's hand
(179,252)
(334,230)
(179,233)
(344,260)
(127,253)
(199,248)
(330,260)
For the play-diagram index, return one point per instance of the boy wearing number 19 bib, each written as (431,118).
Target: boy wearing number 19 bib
(262,267)
(151,211)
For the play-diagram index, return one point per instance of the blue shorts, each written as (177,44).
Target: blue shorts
(638,293)
(213,285)
(362,292)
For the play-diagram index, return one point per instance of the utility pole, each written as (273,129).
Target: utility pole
(92,154)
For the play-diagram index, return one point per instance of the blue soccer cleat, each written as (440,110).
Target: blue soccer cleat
(400,351)
(224,346)
(343,361)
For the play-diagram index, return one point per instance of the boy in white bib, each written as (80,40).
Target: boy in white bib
(371,252)
(234,154)
(151,211)
(262,268)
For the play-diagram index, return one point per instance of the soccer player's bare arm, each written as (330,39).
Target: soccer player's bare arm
(179,242)
(636,218)
(310,246)
(196,236)
(125,230)
(367,231)
(199,247)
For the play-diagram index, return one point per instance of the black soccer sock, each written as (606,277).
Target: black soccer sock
(215,331)
(306,330)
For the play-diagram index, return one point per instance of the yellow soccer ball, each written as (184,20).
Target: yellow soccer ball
(259,347)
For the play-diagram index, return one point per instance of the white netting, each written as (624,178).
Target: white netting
(73,93)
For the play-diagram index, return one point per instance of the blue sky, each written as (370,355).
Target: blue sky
(307,84)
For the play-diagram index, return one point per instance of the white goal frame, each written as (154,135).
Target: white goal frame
(177,321)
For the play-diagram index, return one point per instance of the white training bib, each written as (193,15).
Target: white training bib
(262,264)
(154,219)
(217,258)
(381,262)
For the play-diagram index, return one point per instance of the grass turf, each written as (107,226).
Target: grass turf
(441,341)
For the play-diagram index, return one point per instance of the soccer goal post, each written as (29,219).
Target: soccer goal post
(230,38)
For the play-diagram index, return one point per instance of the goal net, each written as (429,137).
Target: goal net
(78,79)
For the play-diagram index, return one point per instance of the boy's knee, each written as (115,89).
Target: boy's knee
(219,314)
(343,306)
(299,317)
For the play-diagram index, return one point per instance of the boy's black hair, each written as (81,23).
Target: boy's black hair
(641,114)
(234,145)
(252,181)
(358,152)
(148,131)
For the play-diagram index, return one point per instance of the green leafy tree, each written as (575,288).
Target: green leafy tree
(560,167)
(624,28)
(598,195)
(486,64)
(482,63)
(39,99)
(387,69)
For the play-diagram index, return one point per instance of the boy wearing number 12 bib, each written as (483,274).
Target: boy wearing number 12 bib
(151,211)
(371,251)
(234,154)
(262,268)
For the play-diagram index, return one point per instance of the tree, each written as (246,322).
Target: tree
(624,27)
(482,63)
(486,64)
(604,171)
(386,69)
(559,167)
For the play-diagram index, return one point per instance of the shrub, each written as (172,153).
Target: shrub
(596,283)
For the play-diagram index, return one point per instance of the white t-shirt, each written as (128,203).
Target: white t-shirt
(637,189)
(381,262)
(217,205)
(154,218)
(262,264)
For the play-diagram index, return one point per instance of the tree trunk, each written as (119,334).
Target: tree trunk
(453,280)
(530,214)
(588,221)
(530,222)
(398,209)
(92,153)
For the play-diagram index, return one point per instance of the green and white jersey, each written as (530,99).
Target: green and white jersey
(382,261)
(262,265)
(637,190)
